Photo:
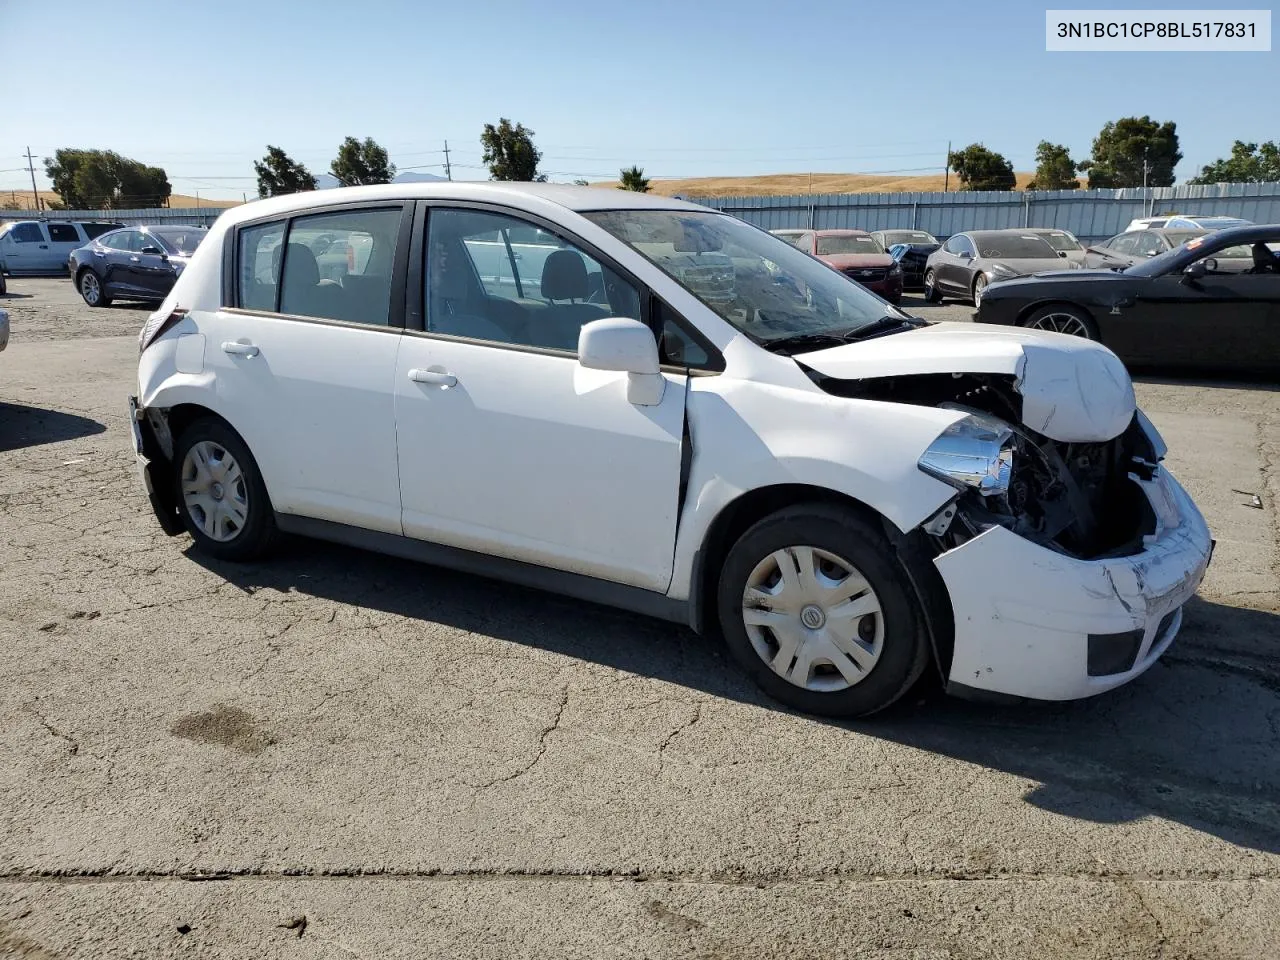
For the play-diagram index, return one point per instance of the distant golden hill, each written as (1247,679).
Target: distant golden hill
(784,184)
(18,200)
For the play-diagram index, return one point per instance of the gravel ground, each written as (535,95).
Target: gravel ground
(364,757)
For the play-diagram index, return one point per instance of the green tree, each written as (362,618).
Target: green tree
(510,153)
(104,180)
(633,178)
(359,163)
(1123,147)
(1055,170)
(580,182)
(982,169)
(1248,163)
(278,173)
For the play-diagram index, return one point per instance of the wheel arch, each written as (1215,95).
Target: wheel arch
(914,553)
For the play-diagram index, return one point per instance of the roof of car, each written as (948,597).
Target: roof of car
(842,233)
(527,195)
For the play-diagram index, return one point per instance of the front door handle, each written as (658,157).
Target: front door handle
(239,349)
(437,377)
(134,259)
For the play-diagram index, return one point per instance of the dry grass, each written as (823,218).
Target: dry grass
(17,200)
(783,184)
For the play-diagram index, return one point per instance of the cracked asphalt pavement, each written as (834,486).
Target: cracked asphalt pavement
(337,754)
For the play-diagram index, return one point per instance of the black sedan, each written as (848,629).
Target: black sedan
(916,245)
(134,263)
(1192,307)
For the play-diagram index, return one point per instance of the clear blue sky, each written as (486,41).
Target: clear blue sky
(690,88)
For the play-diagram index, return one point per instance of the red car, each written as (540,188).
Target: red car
(856,254)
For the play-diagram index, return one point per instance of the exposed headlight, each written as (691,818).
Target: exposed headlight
(895,269)
(975,453)
(1000,272)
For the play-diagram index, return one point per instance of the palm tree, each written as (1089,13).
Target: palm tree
(633,179)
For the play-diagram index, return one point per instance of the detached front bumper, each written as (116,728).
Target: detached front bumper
(1033,623)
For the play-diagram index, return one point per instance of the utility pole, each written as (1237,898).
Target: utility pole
(946,172)
(448,173)
(35,194)
(1146,169)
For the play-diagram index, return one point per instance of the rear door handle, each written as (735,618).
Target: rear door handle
(438,377)
(239,349)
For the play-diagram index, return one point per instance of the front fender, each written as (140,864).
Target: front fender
(866,450)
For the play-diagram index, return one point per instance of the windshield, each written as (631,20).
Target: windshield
(183,241)
(848,243)
(757,282)
(908,236)
(1061,241)
(1015,246)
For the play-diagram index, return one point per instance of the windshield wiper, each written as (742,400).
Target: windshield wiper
(815,340)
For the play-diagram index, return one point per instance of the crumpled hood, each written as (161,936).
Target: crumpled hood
(1073,390)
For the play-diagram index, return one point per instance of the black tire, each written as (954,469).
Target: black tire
(1088,328)
(931,292)
(845,533)
(258,535)
(4,288)
(95,289)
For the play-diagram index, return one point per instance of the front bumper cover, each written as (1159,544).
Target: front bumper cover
(1024,614)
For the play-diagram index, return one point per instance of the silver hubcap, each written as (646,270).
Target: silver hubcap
(928,283)
(979,288)
(813,618)
(1062,323)
(214,490)
(89,285)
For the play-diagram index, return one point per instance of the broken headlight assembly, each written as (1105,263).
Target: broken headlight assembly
(974,453)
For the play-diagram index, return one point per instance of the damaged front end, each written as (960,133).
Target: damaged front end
(1065,560)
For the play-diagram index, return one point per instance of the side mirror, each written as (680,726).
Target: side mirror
(152,250)
(1195,271)
(626,346)
(1062,254)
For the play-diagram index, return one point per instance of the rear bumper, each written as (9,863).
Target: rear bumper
(1033,623)
(151,464)
(889,288)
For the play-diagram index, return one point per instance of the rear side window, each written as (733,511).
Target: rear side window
(337,266)
(259,259)
(27,233)
(63,233)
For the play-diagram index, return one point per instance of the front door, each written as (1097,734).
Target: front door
(26,249)
(305,369)
(507,446)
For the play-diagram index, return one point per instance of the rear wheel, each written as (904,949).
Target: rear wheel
(92,290)
(221,496)
(931,292)
(1061,318)
(818,612)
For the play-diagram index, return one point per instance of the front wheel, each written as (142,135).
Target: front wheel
(223,501)
(1061,318)
(931,292)
(92,290)
(979,288)
(817,610)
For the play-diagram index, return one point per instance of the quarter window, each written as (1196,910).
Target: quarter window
(677,346)
(63,233)
(494,277)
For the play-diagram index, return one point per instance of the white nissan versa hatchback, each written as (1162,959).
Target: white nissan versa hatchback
(646,403)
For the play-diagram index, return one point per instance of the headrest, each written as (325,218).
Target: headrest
(564,276)
(300,266)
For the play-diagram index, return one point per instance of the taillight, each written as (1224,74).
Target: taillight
(157,325)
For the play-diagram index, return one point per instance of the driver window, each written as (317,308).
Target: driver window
(965,247)
(1124,243)
(1146,244)
(501,279)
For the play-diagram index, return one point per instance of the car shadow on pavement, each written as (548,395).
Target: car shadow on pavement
(1194,740)
(10,295)
(22,426)
(1262,381)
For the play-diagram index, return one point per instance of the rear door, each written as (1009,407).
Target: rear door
(63,238)
(305,364)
